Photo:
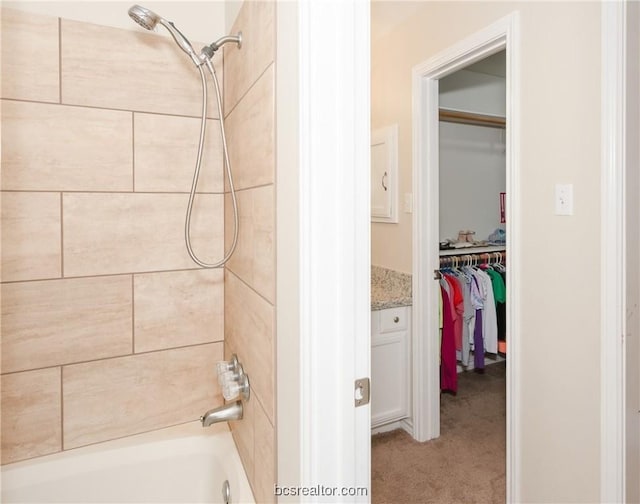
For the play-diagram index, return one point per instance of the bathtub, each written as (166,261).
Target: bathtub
(185,463)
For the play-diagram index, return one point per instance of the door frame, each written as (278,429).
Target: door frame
(616,461)
(503,34)
(323,230)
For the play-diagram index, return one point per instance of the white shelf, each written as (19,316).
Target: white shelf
(473,250)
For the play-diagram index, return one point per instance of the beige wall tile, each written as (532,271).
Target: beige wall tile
(63,321)
(178,308)
(165,154)
(249,329)
(132,70)
(30,48)
(31,414)
(128,395)
(243,66)
(251,135)
(30,236)
(264,450)
(58,148)
(242,431)
(121,233)
(254,257)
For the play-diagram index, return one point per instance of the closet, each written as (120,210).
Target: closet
(472,189)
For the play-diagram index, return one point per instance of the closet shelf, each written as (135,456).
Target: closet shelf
(455,116)
(473,250)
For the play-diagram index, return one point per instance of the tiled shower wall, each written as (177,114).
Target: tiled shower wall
(108,328)
(250,274)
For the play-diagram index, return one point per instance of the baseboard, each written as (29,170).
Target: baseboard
(487,362)
(405,424)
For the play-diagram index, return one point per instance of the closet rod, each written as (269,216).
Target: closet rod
(472,259)
(455,116)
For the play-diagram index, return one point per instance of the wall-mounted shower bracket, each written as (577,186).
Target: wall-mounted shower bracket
(214,46)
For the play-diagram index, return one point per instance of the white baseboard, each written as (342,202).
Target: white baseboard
(405,424)
(487,361)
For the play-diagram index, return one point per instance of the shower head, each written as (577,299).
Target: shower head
(149,19)
(144,17)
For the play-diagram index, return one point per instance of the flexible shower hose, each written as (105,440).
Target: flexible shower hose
(196,173)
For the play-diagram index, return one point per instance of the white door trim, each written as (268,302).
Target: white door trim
(334,206)
(613,309)
(426,380)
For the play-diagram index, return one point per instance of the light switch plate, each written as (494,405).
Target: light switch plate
(408,202)
(564,199)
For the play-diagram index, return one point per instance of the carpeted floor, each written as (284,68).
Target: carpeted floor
(466,464)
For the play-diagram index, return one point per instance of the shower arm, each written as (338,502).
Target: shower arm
(209,50)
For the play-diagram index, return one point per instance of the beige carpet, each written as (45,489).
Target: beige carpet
(466,464)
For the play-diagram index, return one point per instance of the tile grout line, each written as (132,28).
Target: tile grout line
(62,234)
(133,316)
(251,86)
(175,193)
(61,408)
(102,275)
(133,151)
(97,107)
(113,357)
(60,60)
(250,287)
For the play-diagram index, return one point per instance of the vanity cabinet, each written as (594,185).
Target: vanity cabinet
(390,365)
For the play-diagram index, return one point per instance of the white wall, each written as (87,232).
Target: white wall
(201,22)
(472,176)
(559,451)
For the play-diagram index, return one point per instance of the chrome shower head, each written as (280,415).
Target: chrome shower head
(144,17)
(149,19)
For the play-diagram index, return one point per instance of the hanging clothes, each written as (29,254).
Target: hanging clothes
(448,369)
(472,318)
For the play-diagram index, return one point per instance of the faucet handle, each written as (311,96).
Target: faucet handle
(230,365)
(231,389)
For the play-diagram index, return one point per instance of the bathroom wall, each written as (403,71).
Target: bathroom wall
(558,290)
(108,328)
(250,274)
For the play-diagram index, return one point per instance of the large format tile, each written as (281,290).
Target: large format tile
(30,48)
(31,414)
(264,451)
(243,66)
(249,331)
(251,135)
(178,308)
(57,148)
(30,236)
(165,154)
(117,397)
(63,321)
(127,69)
(254,257)
(125,233)
(243,435)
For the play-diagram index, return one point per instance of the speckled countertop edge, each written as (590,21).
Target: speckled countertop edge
(389,289)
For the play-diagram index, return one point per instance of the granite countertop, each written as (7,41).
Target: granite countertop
(389,289)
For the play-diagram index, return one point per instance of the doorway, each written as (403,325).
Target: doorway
(426,77)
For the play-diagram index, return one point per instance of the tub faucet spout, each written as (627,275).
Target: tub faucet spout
(231,411)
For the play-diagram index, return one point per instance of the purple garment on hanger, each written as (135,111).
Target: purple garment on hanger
(478,344)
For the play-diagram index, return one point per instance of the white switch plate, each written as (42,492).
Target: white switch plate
(564,199)
(408,202)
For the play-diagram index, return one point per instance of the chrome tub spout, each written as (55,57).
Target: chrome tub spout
(231,411)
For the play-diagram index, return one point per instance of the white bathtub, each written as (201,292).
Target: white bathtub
(183,464)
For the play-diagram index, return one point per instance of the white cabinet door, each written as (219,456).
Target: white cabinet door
(390,366)
(384,174)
